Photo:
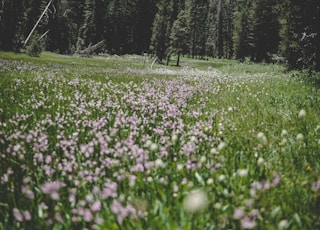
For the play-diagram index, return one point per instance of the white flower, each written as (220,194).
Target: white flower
(179,167)
(242,172)
(203,159)
(221,146)
(210,181)
(174,138)
(221,177)
(193,139)
(260,160)
(132,183)
(262,138)
(302,113)
(283,224)
(299,137)
(158,163)
(195,201)
(214,151)
(217,205)
(284,133)
(260,135)
(148,143)
(153,147)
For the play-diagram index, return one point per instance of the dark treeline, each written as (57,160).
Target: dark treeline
(260,30)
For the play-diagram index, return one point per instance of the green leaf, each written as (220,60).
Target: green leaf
(275,211)
(199,179)
(297,218)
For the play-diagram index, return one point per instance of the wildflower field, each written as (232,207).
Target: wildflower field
(93,144)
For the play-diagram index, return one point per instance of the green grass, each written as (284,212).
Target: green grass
(56,60)
(233,133)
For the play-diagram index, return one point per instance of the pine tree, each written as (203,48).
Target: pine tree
(12,24)
(315,9)
(62,29)
(119,27)
(292,29)
(145,14)
(220,24)
(161,29)
(243,29)
(180,35)
(198,14)
(84,36)
(309,41)
(99,20)
(265,30)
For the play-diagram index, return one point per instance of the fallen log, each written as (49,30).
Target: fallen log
(91,49)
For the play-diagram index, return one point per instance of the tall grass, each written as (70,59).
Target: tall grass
(84,147)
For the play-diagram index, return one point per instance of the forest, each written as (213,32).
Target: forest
(257,30)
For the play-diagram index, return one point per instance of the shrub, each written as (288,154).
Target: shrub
(34,48)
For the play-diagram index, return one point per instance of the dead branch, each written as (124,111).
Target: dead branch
(91,49)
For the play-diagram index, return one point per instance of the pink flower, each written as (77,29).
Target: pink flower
(238,214)
(27,192)
(276,179)
(87,215)
(52,189)
(27,215)
(254,213)
(96,206)
(315,186)
(247,223)
(58,217)
(250,203)
(17,214)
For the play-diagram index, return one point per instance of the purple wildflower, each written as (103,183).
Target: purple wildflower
(96,206)
(238,214)
(27,215)
(17,215)
(276,180)
(52,189)
(315,186)
(247,223)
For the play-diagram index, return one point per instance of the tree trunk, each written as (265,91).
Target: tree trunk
(168,60)
(178,59)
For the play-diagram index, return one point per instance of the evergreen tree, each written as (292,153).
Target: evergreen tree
(84,38)
(293,27)
(310,38)
(314,24)
(243,29)
(12,24)
(220,24)
(145,14)
(99,20)
(198,10)
(180,35)
(62,29)
(266,30)
(161,29)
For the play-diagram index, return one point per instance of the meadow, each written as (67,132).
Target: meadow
(109,143)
